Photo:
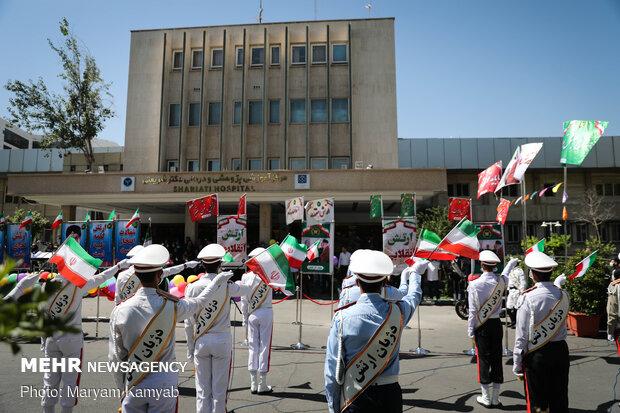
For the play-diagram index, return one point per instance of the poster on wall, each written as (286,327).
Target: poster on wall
(232,234)
(18,243)
(125,238)
(491,238)
(399,239)
(324,233)
(74,227)
(100,236)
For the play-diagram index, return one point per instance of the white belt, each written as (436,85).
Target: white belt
(383,380)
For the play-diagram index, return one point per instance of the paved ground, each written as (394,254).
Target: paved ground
(444,381)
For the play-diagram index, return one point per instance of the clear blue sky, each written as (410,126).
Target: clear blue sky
(464,67)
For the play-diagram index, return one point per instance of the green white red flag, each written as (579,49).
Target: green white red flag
(112,216)
(57,221)
(74,263)
(134,218)
(313,251)
(580,136)
(272,267)
(26,221)
(427,247)
(294,251)
(539,246)
(583,266)
(462,240)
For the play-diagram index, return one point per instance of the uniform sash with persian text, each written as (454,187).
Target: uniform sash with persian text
(64,301)
(492,304)
(258,296)
(548,327)
(129,287)
(207,317)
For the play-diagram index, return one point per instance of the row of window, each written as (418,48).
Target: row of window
(297,112)
(607,189)
(254,164)
(458,189)
(339,55)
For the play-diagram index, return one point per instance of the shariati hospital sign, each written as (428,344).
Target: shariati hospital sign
(222,182)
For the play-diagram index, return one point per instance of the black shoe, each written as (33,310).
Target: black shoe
(265,392)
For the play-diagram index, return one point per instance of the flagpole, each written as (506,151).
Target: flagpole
(506,352)
(300,345)
(564,206)
(524,203)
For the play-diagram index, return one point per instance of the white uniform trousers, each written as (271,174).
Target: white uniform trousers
(260,328)
(212,358)
(63,346)
(136,401)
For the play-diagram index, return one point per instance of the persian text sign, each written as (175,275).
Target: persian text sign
(232,234)
(399,238)
(125,238)
(18,243)
(214,183)
(100,234)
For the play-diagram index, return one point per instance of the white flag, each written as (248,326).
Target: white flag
(320,211)
(522,158)
(294,209)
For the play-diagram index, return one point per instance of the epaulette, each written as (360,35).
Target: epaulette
(167,295)
(345,306)
(529,289)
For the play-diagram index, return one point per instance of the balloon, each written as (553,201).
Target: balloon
(93,292)
(21,275)
(4,281)
(175,291)
(12,277)
(191,279)
(181,287)
(44,275)
(178,279)
(170,285)
(112,287)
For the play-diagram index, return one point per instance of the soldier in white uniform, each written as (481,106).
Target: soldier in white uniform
(142,330)
(257,305)
(541,352)
(209,342)
(484,326)
(65,302)
(517,283)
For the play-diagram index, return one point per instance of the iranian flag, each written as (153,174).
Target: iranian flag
(228,257)
(539,246)
(583,266)
(272,267)
(462,240)
(427,247)
(74,263)
(57,221)
(26,221)
(313,251)
(134,218)
(112,216)
(294,251)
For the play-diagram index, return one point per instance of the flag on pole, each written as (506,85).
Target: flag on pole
(580,136)
(87,218)
(518,199)
(376,206)
(459,208)
(134,218)
(294,251)
(542,191)
(427,247)
(74,263)
(564,214)
(314,251)
(242,208)
(583,266)
(228,257)
(26,221)
(202,208)
(407,205)
(57,221)
(294,209)
(502,211)
(272,267)
(489,178)
(462,240)
(520,161)
(112,216)
(556,187)
(539,246)
(564,196)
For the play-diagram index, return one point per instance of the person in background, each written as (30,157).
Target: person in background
(343,262)
(432,278)
(615,268)
(517,283)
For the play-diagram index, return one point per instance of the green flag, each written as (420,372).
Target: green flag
(376,206)
(579,137)
(112,215)
(407,205)
(228,257)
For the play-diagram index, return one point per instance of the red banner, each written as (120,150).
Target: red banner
(242,208)
(459,208)
(502,211)
(489,178)
(202,208)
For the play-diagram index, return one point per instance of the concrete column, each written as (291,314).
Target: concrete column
(264,222)
(190,227)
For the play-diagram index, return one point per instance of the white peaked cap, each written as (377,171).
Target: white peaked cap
(489,257)
(136,249)
(211,253)
(151,258)
(539,261)
(255,252)
(371,266)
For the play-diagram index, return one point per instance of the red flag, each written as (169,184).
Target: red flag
(502,211)
(26,221)
(242,208)
(202,208)
(459,208)
(489,178)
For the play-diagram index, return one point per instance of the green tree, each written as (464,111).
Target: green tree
(554,245)
(435,219)
(39,222)
(70,119)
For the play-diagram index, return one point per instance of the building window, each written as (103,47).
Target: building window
(458,189)
(255,164)
(340,110)
(275,55)
(235,164)
(297,164)
(581,232)
(607,189)
(217,58)
(298,53)
(237,113)
(71,169)
(513,233)
(614,229)
(255,109)
(511,190)
(215,113)
(192,165)
(298,111)
(340,53)
(548,192)
(318,163)
(173,166)
(340,162)
(258,56)
(239,57)
(318,111)
(213,164)
(174,118)
(177,60)
(194,114)
(319,53)
(197,59)
(274,111)
(274,163)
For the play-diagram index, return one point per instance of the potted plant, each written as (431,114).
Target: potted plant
(588,294)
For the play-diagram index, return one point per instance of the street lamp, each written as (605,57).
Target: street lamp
(551,225)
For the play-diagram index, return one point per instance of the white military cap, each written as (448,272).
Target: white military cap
(371,266)
(489,257)
(539,261)
(135,250)
(255,252)
(212,253)
(151,258)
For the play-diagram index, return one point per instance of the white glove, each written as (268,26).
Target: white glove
(223,277)
(191,264)
(610,337)
(560,281)
(420,266)
(123,264)
(512,263)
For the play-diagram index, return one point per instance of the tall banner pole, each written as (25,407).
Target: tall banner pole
(524,203)
(332,230)
(97,320)
(300,345)
(564,206)
(506,352)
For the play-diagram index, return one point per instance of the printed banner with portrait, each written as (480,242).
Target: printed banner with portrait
(324,233)
(18,243)
(399,239)
(100,237)
(491,238)
(232,234)
(125,238)
(77,228)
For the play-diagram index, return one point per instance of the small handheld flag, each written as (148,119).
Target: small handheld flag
(112,216)
(74,263)
(26,221)
(294,251)
(134,218)
(583,266)
(57,221)
(539,246)
(314,251)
